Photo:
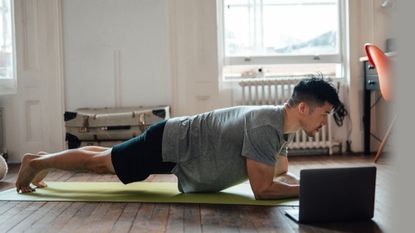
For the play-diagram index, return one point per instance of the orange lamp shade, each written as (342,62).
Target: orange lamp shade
(384,69)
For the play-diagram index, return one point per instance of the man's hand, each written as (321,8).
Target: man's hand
(287,178)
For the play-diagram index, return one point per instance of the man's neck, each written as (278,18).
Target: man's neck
(291,122)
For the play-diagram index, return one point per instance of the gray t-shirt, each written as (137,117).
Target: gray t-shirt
(210,149)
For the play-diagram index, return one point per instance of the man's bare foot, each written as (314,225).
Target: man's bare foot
(38,180)
(26,174)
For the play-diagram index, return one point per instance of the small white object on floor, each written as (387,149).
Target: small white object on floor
(3,167)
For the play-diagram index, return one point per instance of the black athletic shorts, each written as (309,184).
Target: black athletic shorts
(136,159)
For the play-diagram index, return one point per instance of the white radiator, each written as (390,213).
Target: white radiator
(277,91)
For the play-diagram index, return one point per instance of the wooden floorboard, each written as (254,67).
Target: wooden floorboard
(48,217)
(175,222)
(151,218)
(125,221)
(191,218)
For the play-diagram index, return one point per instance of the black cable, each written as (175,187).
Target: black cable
(373,105)
(376,101)
(375,137)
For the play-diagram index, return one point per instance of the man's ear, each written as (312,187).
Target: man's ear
(302,107)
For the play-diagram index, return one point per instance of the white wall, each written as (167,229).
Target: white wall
(116,53)
(194,57)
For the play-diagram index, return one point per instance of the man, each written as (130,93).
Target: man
(207,152)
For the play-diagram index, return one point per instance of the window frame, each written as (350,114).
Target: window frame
(9,85)
(338,58)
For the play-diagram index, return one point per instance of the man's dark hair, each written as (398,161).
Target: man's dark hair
(316,91)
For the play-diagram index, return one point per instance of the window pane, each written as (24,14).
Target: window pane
(281,27)
(6,41)
(237,26)
(307,28)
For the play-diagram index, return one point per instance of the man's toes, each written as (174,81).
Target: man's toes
(27,189)
(24,189)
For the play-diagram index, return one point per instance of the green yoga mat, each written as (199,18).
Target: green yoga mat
(154,192)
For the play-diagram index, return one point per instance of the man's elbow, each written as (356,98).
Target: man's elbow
(259,197)
(262,195)
(265,196)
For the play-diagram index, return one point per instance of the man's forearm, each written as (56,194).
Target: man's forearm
(279,190)
(281,166)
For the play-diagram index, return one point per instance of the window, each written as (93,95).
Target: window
(281,37)
(7,51)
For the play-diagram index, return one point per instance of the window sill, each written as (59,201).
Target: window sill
(231,79)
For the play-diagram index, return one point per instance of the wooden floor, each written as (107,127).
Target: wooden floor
(137,217)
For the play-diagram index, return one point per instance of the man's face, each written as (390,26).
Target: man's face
(315,117)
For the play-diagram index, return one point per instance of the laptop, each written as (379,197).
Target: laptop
(335,194)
